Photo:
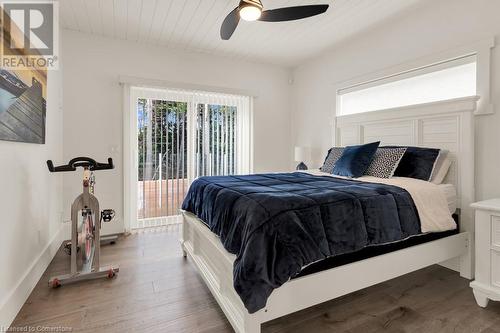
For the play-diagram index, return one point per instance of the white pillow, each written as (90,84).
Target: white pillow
(443,163)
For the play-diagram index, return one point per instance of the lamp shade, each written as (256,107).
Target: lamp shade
(302,154)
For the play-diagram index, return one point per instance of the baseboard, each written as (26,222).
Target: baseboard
(12,303)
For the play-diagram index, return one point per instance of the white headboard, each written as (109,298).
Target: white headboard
(448,125)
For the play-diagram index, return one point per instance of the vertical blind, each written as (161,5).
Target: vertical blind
(182,135)
(221,142)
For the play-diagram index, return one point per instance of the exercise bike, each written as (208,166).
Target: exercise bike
(86,240)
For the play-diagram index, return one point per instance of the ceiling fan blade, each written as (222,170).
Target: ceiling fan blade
(292,13)
(229,25)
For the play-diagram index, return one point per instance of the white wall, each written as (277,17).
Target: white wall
(435,27)
(92,93)
(31,208)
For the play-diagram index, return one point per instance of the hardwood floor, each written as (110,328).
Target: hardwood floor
(159,291)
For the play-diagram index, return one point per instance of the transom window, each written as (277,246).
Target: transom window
(437,82)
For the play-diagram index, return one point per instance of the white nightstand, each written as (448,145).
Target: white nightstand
(486,285)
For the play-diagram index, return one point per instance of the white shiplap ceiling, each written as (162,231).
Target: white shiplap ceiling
(193,25)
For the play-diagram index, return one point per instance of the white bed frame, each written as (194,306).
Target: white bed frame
(447,125)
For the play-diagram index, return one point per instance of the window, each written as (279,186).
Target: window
(446,80)
(182,135)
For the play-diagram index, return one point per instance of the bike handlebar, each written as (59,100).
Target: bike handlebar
(84,162)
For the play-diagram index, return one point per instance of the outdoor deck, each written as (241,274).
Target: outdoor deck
(160,198)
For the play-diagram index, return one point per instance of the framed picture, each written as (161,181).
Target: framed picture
(23,94)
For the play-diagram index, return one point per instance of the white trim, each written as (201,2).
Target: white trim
(482,50)
(13,302)
(410,111)
(251,136)
(158,221)
(164,84)
(129,160)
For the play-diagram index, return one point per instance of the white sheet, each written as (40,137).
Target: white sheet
(450,192)
(429,199)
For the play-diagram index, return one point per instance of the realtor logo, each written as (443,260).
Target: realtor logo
(29,34)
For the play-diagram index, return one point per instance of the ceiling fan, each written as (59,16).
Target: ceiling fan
(252,10)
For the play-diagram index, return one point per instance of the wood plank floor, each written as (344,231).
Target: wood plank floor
(158,291)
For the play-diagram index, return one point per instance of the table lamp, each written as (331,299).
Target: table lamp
(302,154)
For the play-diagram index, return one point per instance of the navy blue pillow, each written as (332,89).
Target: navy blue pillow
(355,160)
(417,163)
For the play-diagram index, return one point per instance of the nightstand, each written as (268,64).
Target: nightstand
(486,285)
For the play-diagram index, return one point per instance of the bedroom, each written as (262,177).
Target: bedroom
(271,96)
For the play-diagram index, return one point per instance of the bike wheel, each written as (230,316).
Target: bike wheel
(88,233)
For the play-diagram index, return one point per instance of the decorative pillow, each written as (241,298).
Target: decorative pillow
(355,160)
(417,162)
(443,164)
(331,158)
(385,161)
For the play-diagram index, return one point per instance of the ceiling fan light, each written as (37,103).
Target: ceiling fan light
(250,13)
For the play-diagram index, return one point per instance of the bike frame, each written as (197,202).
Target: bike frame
(88,205)
(85,202)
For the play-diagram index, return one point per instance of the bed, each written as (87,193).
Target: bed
(436,125)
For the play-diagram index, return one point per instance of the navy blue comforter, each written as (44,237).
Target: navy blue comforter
(278,223)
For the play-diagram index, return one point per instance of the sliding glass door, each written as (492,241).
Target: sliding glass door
(182,135)
(162,157)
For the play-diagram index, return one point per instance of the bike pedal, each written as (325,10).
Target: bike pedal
(107,215)
(67,248)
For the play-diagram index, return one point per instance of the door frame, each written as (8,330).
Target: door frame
(129,159)
(130,153)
